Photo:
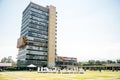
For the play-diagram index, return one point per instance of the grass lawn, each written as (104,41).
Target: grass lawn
(88,75)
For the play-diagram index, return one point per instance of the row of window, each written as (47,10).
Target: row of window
(37,52)
(36,62)
(40,40)
(26,11)
(65,63)
(38,19)
(25,23)
(33,24)
(22,57)
(32,13)
(20,62)
(24,30)
(22,50)
(39,10)
(33,8)
(36,57)
(34,27)
(24,34)
(39,7)
(36,48)
(34,20)
(36,39)
(25,19)
(37,31)
(37,45)
(38,22)
(36,34)
(38,27)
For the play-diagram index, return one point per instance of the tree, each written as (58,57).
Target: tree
(8,60)
(118,61)
(4,60)
(110,61)
(103,62)
(79,63)
(84,63)
(98,62)
(91,62)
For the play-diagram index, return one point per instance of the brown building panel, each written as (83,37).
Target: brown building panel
(51,36)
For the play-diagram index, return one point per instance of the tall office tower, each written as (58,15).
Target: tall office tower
(37,42)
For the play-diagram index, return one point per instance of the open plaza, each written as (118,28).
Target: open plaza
(34,75)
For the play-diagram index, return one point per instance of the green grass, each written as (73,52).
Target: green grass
(88,75)
(5,77)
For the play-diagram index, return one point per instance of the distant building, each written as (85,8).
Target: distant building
(37,42)
(66,62)
(5,64)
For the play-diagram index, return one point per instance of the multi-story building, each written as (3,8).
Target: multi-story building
(37,42)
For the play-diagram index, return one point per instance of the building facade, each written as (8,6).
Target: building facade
(37,42)
(66,62)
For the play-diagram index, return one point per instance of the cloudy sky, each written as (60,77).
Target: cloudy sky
(86,29)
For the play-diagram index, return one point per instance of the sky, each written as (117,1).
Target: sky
(86,29)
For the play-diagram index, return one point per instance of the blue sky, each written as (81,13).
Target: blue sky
(86,29)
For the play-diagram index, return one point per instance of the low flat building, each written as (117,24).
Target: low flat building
(5,64)
(66,62)
(103,67)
